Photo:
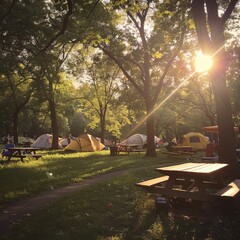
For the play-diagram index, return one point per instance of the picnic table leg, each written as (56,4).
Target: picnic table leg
(219,180)
(187,184)
(200,185)
(170,183)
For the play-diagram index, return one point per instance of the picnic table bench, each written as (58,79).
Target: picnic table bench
(23,152)
(129,148)
(196,181)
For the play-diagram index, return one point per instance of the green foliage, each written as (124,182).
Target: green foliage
(78,124)
(27,27)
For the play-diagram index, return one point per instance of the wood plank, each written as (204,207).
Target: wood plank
(212,159)
(209,168)
(194,168)
(179,167)
(231,190)
(206,168)
(37,156)
(153,181)
(170,153)
(18,156)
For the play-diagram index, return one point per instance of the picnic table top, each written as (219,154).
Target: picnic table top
(198,168)
(128,145)
(17,148)
(182,147)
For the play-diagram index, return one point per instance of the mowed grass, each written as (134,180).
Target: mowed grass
(57,169)
(113,209)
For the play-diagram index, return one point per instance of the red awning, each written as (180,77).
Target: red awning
(214,129)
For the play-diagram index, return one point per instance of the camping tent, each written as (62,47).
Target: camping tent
(85,143)
(196,140)
(64,142)
(22,140)
(44,142)
(107,142)
(136,139)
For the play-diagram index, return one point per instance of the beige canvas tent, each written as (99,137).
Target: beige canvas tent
(136,139)
(85,143)
(196,140)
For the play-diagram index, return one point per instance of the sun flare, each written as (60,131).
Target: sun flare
(203,62)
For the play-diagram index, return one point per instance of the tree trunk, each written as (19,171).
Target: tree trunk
(227,141)
(102,123)
(151,148)
(17,110)
(15,126)
(54,123)
(210,31)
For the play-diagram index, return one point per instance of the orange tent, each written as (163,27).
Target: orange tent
(85,143)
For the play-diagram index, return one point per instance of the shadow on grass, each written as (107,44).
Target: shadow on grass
(60,169)
(117,210)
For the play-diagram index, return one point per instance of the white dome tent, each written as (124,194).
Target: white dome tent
(136,139)
(44,142)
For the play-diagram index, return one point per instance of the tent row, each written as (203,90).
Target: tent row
(194,139)
(82,143)
(88,143)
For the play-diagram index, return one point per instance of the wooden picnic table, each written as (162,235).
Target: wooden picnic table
(23,152)
(182,148)
(197,181)
(128,148)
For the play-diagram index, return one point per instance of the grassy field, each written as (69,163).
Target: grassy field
(109,210)
(56,169)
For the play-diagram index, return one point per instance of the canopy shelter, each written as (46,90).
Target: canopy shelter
(214,129)
(136,139)
(85,143)
(195,139)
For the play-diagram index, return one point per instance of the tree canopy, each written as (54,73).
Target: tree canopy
(118,67)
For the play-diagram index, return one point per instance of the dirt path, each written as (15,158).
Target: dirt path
(16,212)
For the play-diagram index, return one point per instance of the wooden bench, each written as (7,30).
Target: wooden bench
(37,156)
(230,191)
(129,151)
(153,182)
(210,159)
(16,156)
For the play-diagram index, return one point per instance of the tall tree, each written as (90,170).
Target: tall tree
(144,46)
(17,91)
(46,70)
(210,32)
(25,28)
(103,81)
